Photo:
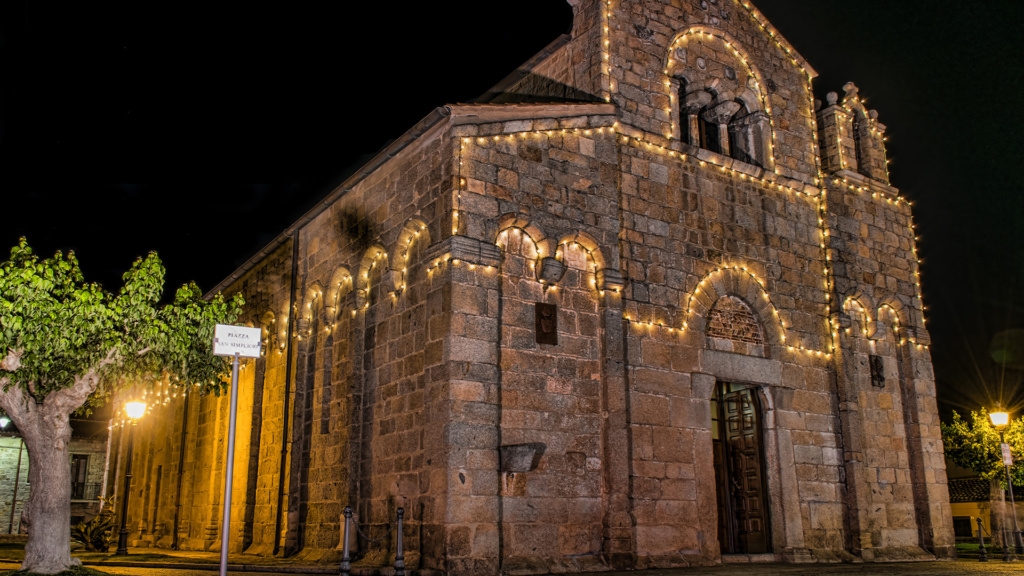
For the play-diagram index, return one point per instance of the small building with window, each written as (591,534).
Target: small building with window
(646,303)
(88,449)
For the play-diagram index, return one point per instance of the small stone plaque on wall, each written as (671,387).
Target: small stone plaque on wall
(547,323)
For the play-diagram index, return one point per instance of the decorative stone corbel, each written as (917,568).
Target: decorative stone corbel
(610,279)
(474,251)
(842,319)
(520,457)
(550,270)
(721,113)
(391,281)
(695,101)
(876,330)
(919,335)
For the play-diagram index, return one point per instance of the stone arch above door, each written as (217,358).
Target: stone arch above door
(733,327)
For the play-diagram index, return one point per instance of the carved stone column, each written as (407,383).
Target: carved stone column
(720,114)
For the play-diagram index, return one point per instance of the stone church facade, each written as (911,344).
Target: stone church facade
(645,304)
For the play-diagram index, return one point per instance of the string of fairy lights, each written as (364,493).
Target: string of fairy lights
(606,67)
(768,181)
(343,284)
(856,100)
(701,33)
(626,136)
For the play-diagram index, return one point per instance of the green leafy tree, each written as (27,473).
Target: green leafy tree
(974,445)
(67,345)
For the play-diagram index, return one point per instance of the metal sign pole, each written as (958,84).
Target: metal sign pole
(237,342)
(229,469)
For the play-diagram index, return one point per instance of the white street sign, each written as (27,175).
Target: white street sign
(1007,456)
(229,340)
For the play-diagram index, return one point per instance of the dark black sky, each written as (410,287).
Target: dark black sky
(202,132)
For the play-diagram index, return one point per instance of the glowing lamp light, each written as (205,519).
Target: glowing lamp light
(135,410)
(4,421)
(999,419)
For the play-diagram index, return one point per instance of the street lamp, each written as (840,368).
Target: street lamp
(1001,420)
(134,410)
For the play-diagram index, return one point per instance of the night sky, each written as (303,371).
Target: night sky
(203,132)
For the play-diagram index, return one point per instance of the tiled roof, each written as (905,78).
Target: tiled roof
(968,490)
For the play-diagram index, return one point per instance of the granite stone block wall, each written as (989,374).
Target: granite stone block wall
(518,323)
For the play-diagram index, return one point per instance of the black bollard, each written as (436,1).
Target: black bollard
(981,543)
(346,562)
(399,553)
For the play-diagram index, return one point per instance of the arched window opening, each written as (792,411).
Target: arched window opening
(862,143)
(747,131)
(691,127)
(715,125)
(709,135)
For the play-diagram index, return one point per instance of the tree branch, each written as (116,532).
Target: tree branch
(16,403)
(67,400)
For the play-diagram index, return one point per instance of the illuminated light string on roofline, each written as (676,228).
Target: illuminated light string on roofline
(754,13)
(763,23)
(917,268)
(682,156)
(821,197)
(700,34)
(626,139)
(863,189)
(458,192)
(606,67)
(161,394)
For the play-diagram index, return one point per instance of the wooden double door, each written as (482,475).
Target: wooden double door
(738,442)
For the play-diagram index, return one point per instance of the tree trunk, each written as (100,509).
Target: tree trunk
(46,429)
(49,502)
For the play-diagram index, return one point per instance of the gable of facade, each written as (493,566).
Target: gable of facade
(675,320)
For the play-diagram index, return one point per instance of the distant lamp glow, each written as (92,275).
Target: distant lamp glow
(4,421)
(135,410)
(999,419)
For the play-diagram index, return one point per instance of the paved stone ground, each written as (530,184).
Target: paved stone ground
(902,569)
(959,567)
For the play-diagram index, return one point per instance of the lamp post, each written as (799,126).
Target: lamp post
(135,410)
(1001,420)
